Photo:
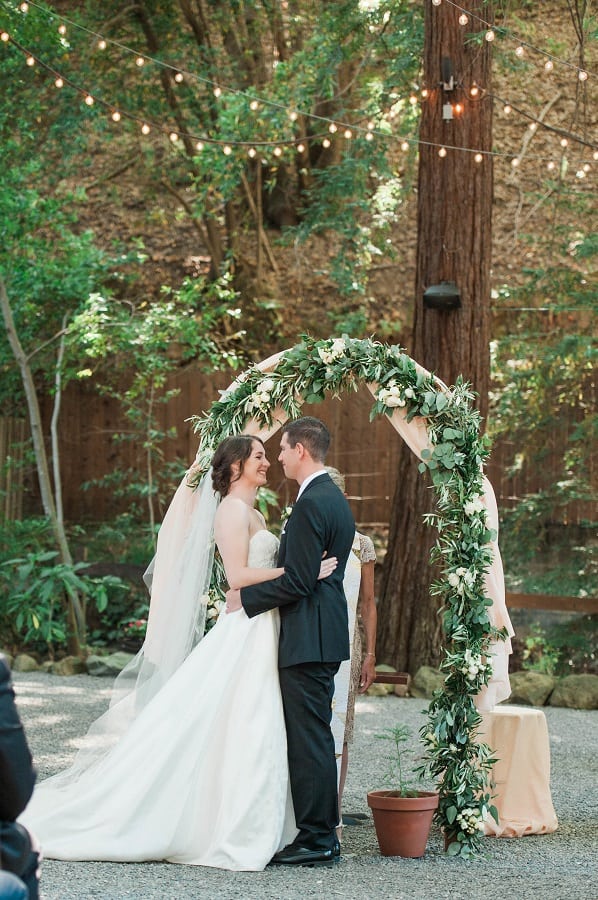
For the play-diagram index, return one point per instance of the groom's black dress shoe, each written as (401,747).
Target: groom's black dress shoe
(304,856)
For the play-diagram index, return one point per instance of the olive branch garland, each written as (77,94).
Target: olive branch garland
(306,373)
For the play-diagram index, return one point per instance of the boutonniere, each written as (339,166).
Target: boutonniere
(284,517)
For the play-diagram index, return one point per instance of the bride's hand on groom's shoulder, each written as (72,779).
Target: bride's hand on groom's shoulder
(327,567)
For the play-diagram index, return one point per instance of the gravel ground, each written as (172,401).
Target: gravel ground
(560,866)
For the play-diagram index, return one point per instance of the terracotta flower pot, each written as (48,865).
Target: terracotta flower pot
(402,823)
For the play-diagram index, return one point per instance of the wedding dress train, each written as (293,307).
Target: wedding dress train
(201,776)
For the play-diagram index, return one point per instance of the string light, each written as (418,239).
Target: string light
(405,146)
(254,105)
(116,116)
(217,92)
(442,152)
(89,100)
(293,116)
(490,36)
(507,109)
(173,137)
(548,65)
(425,93)
(564,142)
(4,36)
(300,148)
(179,78)
(474,91)
(519,51)
(463,19)
(30,61)
(458,108)
(332,128)
(515,162)
(582,75)
(478,157)
(550,166)
(227,150)
(199,146)
(369,136)
(277,151)
(24,7)
(59,83)
(436,2)
(252,152)
(140,61)
(62,29)
(348,134)
(145,129)
(101,44)
(326,143)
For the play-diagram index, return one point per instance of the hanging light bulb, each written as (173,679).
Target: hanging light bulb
(369,136)
(199,146)
(30,61)
(550,166)
(548,65)
(582,75)
(4,36)
(519,51)
(474,90)
(436,2)
(595,154)
(116,116)
(515,162)
(62,29)
(533,126)
(173,137)
(425,93)
(332,128)
(490,36)
(89,100)
(59,82)
(586,167)
(217,92)
(145,129)
(564,142)
(24,7)
(252,152)
(293,116)
(300,148)
(413,100)
(179,78)
(478,157)
(140,61)
(277,151)
(326,143)
(507,109)
(463,19)
(101,44)
(405,146)
(458,108)
(254,105)
(347,134)
(442,152)
(227,150)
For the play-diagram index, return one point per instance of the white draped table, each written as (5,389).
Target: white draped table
(519,737)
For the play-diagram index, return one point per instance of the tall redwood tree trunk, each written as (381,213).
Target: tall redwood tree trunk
(454,244)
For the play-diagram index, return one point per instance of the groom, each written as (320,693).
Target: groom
(314,636)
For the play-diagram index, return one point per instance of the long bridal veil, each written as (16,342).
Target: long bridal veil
(180,579)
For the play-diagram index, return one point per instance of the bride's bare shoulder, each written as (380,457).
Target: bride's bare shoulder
(232,511)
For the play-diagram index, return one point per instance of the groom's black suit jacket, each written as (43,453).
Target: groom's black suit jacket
(313,614)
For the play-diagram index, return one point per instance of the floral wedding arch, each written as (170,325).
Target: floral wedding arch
(441,426)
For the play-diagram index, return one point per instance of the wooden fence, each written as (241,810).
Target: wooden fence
(12,448)
(366,452)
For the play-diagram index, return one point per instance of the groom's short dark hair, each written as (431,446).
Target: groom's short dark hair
(310,432)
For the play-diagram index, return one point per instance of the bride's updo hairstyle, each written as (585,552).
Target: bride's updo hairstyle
(232,450)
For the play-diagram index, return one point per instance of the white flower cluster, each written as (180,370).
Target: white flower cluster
(470,821)
(214,607)
(328,355)
(472,507)
(472,665)
(391,394)
(261,395)
(461,579)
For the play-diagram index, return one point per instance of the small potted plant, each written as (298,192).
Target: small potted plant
(402,814)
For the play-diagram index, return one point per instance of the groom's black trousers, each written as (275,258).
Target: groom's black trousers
(307,691)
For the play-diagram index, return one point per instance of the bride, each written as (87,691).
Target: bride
(195,770)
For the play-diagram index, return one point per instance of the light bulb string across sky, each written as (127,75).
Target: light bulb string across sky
(219,88)
(582,74)
(296,141)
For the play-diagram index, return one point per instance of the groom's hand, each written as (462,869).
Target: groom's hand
(233,601)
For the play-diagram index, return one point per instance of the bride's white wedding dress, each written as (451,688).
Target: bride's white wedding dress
(201,776)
